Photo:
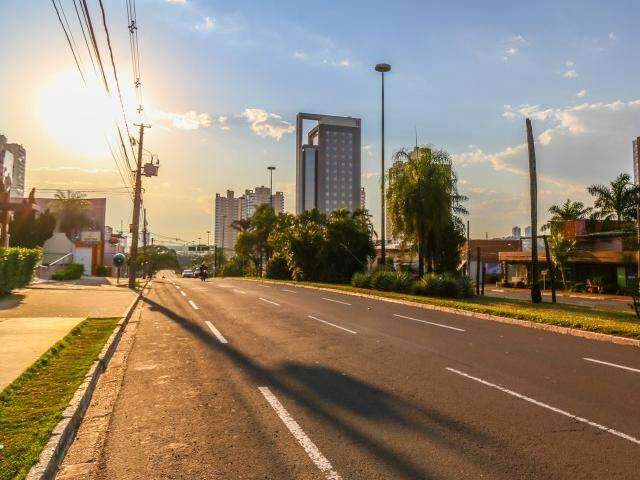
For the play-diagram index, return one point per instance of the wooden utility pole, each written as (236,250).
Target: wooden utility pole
(137,200)
(145,264)
(468,250)
(478,263)
(536,296)
(637,179)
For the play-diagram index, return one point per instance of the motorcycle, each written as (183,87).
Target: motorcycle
(203,275)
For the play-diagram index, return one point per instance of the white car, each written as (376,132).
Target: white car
(188,273)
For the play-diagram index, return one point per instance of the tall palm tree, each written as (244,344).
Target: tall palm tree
(422,199)
(72,210)
(569,210)
(616,201)
(241,225)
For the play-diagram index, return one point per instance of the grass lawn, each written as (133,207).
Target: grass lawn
(32,405)
(604,321)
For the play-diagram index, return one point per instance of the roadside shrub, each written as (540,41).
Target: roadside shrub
(232,268)
(434,285)
(102,271)
(384,280)
(467,287)
(278,268)
(16,267)
(361,280)
(404,283)
(73,271)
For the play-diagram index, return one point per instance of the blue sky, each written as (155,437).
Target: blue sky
(224,81)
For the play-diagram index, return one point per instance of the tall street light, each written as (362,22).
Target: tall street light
(382,68)
(271,169)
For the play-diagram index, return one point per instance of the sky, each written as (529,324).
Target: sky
(223,81)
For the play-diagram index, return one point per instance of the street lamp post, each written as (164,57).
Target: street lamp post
(382,68)
(271,169)
(208,238)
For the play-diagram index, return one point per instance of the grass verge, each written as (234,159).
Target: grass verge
(591,319)
(32,405)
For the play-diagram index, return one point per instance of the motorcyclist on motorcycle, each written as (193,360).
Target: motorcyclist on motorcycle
(204,272)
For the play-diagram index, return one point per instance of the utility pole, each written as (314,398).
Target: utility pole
(536,296)
(145,265)
(468,251)
(137,200)
(637,174)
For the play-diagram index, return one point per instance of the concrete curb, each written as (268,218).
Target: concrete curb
(65,431)
(602,337)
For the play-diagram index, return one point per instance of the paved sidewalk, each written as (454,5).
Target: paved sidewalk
(33,319)
(591,300)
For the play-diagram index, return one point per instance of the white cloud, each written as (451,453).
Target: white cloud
(612,36)
(265,124)
(299,55)
(582,93)
(570,63)
(526,110)
(323,57)
(518,39)
(177,2)
(190,120)
(207,24)
(512,46)
(571,73)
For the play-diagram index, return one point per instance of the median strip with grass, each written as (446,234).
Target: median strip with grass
(32,405)
(584,318)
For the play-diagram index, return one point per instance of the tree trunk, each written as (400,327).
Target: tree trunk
(420,255)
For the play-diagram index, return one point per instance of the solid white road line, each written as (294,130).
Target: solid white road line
(215,332)
(269,301)
(332,324)
(315,455)
(239,291)
(549,407)
(612,365)
(177,287)
(430,323)
(222,285)
(195,307)
(335,301)
(287,290)
(183,294)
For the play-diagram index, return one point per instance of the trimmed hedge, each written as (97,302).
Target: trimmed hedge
(73,271)
(435,285)
(102,270)
(17,266)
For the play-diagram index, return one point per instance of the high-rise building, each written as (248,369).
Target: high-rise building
(636,161)
(328,165)
(527,232)
(13,159)
(252,199)
(516,232)
(363,198)
(227,209)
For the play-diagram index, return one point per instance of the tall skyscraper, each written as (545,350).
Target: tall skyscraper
(227,209)
(363,198)
(516,232)
(13,159)
(252,199)
(328,165)
(527,232)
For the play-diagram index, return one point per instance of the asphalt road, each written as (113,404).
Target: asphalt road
(232,379)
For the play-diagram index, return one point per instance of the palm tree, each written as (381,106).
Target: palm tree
(560,249)
(569,210)
(241,225)
(422,199)
(616,201)
(72,210)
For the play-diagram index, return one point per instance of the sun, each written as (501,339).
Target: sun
(80,118)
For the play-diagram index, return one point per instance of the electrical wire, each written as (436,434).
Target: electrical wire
(68,41)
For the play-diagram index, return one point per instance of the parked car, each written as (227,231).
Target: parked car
(188,273)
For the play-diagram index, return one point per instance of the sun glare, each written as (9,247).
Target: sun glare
(81,119)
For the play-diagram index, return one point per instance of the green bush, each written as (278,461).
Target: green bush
(278,268)
(232,268)
(102,271)
(384,280)
(16,267)
(73,271)
(404,283)
(29,259)
(435,285)
(361,280)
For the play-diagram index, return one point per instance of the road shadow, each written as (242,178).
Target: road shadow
(328,394)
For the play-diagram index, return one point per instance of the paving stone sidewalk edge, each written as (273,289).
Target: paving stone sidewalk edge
(63,434)
(603,337)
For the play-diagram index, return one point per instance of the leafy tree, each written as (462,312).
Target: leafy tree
(72,210)
(616,201)
(241,225)
(569,210)
(158,257)
(423,200)
(29,230)
(560,249)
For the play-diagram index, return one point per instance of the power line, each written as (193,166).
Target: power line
(68,41)
(84,35)
(92,35)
